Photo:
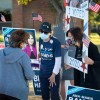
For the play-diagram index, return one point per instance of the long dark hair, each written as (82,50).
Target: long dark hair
(69,31)
(33,38)
(76,33)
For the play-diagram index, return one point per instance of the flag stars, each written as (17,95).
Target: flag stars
(68,20)
(83,66)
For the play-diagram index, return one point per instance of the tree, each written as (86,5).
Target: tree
(57,5)
(24,2)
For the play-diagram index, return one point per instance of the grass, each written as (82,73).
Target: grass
(95,38)
(1,38)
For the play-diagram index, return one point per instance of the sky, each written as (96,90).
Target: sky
(5,4)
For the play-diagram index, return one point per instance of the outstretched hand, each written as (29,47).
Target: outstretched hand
(52,80)
(67,67)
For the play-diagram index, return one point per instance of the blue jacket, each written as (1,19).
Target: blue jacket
(15,71)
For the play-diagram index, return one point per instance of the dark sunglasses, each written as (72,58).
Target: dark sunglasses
(43,32)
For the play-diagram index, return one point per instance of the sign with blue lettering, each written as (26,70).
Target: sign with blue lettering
(36,83)
(80,93)
(76,12)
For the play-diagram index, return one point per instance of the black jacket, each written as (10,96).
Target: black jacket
(92,79)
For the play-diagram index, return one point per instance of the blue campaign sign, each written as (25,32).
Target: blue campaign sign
(31,45)
(80,93)
(7,31)
(36,83)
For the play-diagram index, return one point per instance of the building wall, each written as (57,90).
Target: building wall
(17,14)
(22,14)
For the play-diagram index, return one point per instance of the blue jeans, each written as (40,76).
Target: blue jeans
(49,91)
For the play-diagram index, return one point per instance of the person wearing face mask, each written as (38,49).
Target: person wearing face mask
(15,68)
(67,71)
(92,78)
(50,51)
(30,48)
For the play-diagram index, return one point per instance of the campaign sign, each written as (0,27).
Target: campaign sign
(36,83)
(80,93)
(31,45)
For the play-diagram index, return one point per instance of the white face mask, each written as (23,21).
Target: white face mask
(23,45)
(44,36)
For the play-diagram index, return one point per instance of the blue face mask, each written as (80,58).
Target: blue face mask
(44,36)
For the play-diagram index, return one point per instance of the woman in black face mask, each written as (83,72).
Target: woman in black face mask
(92,79)
(50,51)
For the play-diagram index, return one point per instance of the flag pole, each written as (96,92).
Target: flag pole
(33,23)
(32,19)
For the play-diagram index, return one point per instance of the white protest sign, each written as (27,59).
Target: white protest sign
(81,14)
(75,63)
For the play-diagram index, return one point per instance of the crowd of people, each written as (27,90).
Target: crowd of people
(15,66)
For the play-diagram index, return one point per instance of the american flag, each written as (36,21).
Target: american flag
(86,40)
(3,18)
(36,16)
(94,6)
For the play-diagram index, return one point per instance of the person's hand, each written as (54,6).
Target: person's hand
(67,67)
(88,60)
(52,79)
(62,46)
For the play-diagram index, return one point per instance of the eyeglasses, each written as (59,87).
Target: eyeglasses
(43,32)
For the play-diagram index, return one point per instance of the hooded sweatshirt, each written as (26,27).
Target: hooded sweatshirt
(15,71)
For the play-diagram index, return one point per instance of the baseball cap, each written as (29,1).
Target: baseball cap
(45,26)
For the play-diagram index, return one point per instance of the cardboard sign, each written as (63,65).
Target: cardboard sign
(80,93)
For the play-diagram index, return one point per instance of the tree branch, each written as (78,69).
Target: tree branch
(55,5)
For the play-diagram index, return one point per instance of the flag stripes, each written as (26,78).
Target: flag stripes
(36,16)
(3,18)
(94,6)
(86,40)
